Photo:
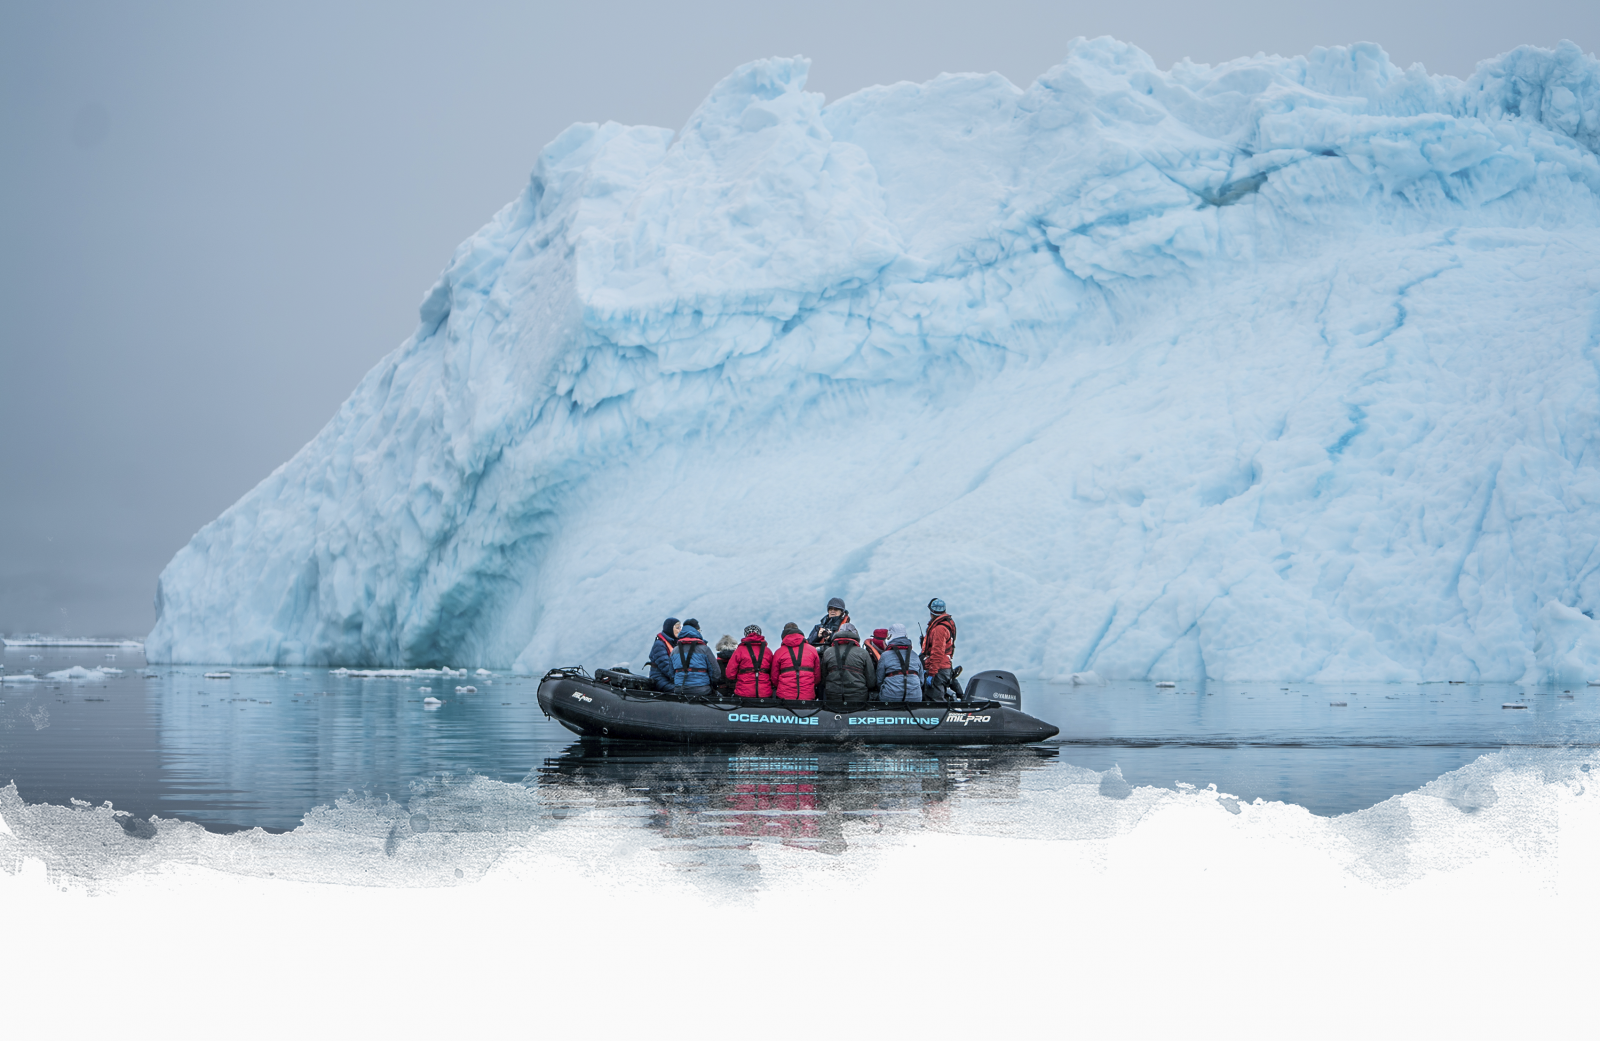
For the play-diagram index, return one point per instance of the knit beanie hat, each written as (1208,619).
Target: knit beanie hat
(752,629)
(691,623)
(790,627)
(847,632)
(897,631)
(880,634)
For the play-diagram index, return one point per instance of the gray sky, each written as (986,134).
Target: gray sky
(215,218)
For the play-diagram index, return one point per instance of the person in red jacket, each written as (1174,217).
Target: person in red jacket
(874,646)
(937,647)
(747,668)
(795,667)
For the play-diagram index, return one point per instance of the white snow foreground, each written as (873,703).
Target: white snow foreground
(1280,368)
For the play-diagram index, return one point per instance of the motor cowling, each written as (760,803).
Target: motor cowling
(996,685)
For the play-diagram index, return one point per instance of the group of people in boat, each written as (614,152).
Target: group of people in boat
(833,660)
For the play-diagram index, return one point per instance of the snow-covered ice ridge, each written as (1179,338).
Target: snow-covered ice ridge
(1280,368)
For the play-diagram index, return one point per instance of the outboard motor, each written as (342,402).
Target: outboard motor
(996,685)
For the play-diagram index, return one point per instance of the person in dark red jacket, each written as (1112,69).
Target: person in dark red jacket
(937,647)
(747,668)
(795,667)
(874,646)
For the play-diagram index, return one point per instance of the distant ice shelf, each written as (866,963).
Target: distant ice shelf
(1284,368)
(67,641)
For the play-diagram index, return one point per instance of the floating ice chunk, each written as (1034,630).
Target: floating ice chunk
(1090,679)
(110,671)
(1166,684)
(369,674)
(77,674)
(432,702)
(1512,704)
(484,672)
(219,675)
(423,690)
(67,641)
(466,690)
(1339,704)
(1098,287)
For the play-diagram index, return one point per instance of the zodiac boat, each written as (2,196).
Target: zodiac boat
(616,704)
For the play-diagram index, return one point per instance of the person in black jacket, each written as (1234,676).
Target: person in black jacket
(823,631)
(849,673)
(725,649)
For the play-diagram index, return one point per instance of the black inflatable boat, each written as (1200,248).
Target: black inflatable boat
(620,705)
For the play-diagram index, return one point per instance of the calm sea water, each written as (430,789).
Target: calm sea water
(263,747)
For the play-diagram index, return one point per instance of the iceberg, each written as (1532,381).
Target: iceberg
(1281,368)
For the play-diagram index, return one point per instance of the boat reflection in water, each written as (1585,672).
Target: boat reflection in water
(807,797)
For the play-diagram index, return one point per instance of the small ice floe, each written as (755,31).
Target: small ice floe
(109,671)
(78,674)
(1088,679)
(219,675)
(1512,704)
(423,690)
(1594,683)
(282,673)
(466,690)
(431,702)
(1339,704)
(1166,685)
(484,672)
(111,657)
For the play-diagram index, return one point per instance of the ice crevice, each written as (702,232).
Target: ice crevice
(1049,352)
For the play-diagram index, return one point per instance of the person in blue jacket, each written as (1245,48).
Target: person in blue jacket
(661,649)
(899,669)
(694,665)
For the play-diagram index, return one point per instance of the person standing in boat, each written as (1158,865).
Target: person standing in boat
(795,667)
(822,632)
(848,671)
(899,669)
(694,665)
(661,655)
(937,647)
(747,666)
